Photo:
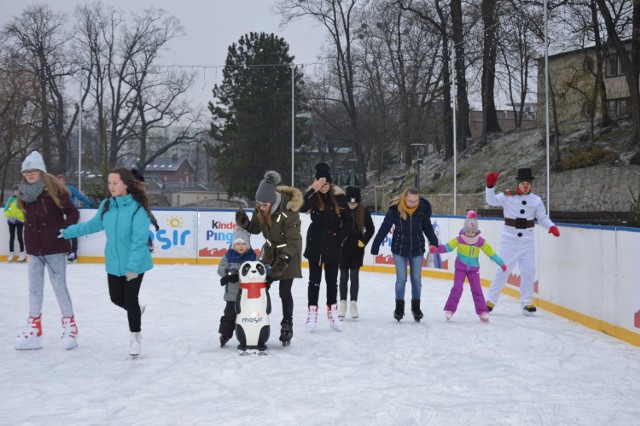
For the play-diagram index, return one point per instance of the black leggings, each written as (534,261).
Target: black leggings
(13,228)
(315,277)
(124,293)
(345,274)
(287,299)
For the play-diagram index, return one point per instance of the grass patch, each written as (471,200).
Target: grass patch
(578,158)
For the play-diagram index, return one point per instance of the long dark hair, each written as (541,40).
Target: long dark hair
(134,187)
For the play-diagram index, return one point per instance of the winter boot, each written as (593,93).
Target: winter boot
(223,340)
(135,344)
(10,257)
(312,317)
(70,332)
(21,257)
(484,316)
(342,311)
(490,306)
(399,312)
(334,319)
(30,337)
(286,332)
(448,315)
(415,310)
(354,309)
(529,311)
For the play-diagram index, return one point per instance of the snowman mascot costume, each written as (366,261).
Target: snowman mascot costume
(253,308)
(517,245)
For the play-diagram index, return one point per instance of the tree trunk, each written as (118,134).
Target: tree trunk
(490,21)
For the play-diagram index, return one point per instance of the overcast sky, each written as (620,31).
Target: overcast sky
(210,27)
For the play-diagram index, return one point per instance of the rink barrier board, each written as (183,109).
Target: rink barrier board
(605,297)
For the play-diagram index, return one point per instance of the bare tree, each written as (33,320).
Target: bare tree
(614,20)
(130,94)
(338,17)
(37,41)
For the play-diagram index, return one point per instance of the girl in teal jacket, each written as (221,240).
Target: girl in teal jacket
(125,219)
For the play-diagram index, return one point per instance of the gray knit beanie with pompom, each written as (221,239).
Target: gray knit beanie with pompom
(266,192)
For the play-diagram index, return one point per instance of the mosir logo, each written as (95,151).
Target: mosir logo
(254,320)
(171,237)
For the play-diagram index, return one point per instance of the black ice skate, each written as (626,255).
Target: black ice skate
(286,332)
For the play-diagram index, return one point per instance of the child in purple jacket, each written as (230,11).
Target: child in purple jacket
(469,243)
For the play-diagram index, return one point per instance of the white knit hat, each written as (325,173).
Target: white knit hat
(34,161)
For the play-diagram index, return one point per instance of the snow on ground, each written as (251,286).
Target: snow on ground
(515,370)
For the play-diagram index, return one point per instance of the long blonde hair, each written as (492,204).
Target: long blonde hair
(54,188)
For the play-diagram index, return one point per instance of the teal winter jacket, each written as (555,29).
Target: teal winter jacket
(126,226)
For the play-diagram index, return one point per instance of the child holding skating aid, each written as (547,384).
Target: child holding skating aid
(239,252)
(469,243)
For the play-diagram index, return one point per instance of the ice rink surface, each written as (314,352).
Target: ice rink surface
(515,370)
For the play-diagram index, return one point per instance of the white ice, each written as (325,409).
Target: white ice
(515,370)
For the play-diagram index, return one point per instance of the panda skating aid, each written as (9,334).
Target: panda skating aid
(253,308)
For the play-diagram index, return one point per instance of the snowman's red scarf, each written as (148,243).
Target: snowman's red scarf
(511,193)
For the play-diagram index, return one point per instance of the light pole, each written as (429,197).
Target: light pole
(417,149)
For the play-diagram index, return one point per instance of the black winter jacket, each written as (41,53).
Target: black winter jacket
(408,234)
(328,230)
(352,253)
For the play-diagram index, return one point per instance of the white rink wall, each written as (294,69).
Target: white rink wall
(591,274)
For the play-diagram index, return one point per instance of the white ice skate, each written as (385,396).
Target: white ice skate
(354,309)
(342,311)
(30,337)
(312,318)
(334,320)
(69,333)
(135,344)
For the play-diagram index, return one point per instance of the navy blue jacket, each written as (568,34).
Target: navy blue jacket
(408,234)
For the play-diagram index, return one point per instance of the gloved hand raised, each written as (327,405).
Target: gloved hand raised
(492,178)
(555,231)
(278,267)
(242,220)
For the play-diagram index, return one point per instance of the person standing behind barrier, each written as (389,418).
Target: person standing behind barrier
(277,217)
(353,251)
(15,220)
(468,243)
(517,244)
(48,208)
(75,194)
(125,218)
(410,216)
(331,222)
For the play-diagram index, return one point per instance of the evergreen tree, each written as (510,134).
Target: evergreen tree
(252,113)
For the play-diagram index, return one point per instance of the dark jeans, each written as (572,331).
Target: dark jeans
(124,293)
(228,320)
(345,274)
(15,228)
(315,277)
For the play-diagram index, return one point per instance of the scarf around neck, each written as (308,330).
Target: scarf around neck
(409,210)
(30,192)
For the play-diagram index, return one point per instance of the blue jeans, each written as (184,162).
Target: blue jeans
(415,268)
